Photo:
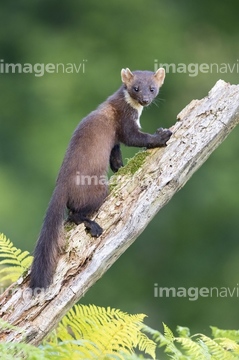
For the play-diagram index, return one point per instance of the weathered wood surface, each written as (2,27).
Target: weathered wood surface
(200,129)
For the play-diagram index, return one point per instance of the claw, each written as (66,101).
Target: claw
(164,134)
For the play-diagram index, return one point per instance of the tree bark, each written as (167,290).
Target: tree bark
(134,200)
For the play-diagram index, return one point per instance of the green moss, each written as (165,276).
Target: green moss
(68,226)
(130,168)
(135,163)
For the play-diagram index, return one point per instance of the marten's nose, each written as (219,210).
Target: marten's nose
(145,101)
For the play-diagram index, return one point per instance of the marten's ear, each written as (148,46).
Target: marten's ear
(126,75)
(160,76)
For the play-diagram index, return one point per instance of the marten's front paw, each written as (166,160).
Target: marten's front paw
(164,135)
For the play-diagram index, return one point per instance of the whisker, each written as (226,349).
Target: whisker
(157,101)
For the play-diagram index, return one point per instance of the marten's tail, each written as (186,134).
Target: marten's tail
(47,250)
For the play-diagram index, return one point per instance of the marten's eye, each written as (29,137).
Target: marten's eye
(136,88)
(152,89)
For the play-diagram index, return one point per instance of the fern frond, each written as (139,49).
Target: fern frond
(13,351)
(228,345)
(215,349)
(183,331)
(107,332)
(198,346)
(168,333)
(168,341)
(191,348)
(4,325)
(230,334)
(12,256)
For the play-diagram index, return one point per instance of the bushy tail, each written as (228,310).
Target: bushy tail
(47,250)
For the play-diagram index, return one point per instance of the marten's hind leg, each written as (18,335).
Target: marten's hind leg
(91,226)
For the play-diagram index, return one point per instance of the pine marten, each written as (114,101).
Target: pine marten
(94,146)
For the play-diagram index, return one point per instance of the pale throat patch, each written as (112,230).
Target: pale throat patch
(135,105)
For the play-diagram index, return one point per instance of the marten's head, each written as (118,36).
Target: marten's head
(142,86)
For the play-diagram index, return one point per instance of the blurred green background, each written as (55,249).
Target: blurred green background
(193,241)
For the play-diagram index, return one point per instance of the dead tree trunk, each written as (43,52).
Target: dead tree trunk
(136,196)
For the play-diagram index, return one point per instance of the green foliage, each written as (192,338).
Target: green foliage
(222,346)
(104,332)
(19,351)
(19,261)
(230,334)
(87,332)
(91,332)
(6,326)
